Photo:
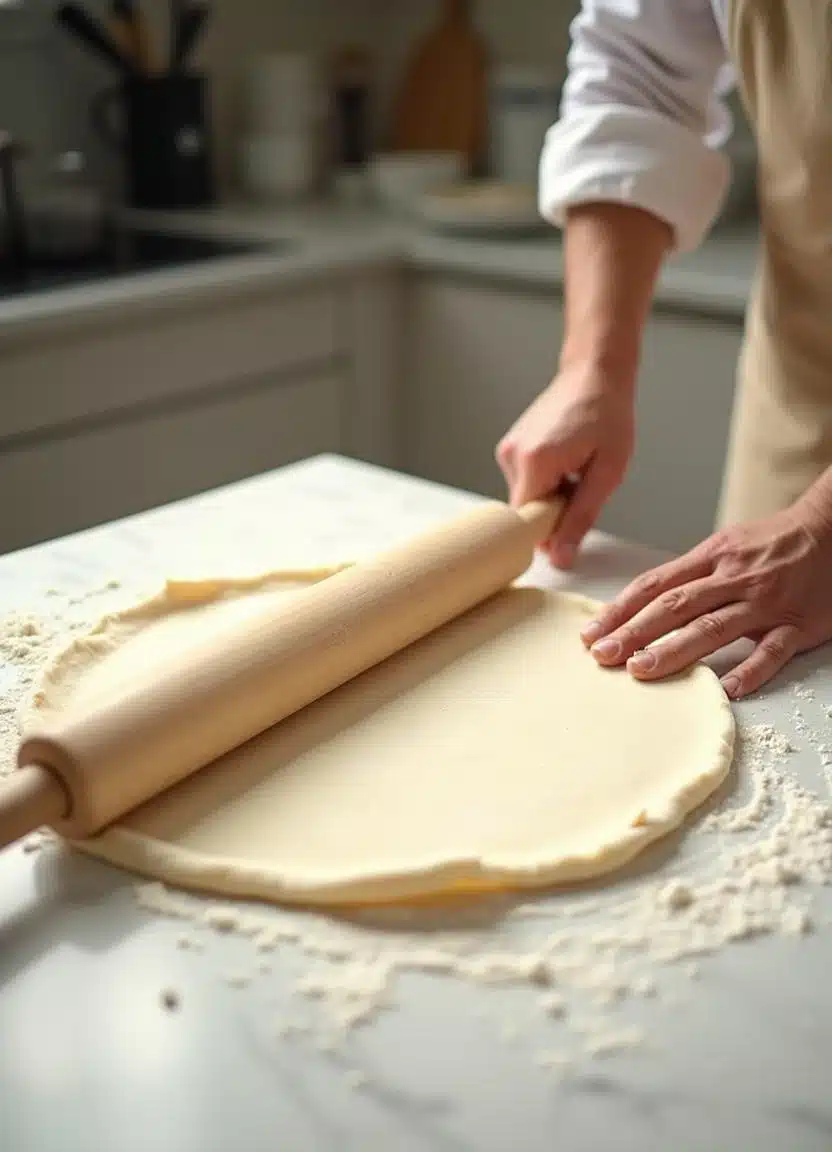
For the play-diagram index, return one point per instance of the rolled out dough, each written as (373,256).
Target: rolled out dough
(493,754)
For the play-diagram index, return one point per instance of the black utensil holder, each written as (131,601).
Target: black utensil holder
(165,138)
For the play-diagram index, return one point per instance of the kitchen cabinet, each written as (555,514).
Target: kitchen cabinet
(107,471)
(478,353)
(99,421)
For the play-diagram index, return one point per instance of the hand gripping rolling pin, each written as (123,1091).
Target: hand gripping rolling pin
(90,769)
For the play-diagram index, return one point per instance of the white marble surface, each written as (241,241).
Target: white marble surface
(329,240)
(738,1059)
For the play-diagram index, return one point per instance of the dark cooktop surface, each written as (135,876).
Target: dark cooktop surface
(125,252)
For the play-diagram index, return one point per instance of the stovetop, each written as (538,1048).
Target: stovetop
(126,251)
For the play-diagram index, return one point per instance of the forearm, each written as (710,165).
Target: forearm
(613,254)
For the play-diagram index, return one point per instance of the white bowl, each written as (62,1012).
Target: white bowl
(399,179)
(483,208)
(278,167)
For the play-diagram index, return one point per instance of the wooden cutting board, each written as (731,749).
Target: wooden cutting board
(442,105)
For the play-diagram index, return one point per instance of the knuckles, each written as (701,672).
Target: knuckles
(674,603)
(774,649)
(646,586)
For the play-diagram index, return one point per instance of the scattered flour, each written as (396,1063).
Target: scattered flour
(768,853)
(609,1043)
(222,919)
(554,1005)
(238,979)
(23,638)
(644,986)
(553,1061)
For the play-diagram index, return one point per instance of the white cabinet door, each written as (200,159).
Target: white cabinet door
(477,355)
(104,472)
(171,354)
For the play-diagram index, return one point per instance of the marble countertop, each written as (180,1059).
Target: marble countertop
(737,1052)
(328,240)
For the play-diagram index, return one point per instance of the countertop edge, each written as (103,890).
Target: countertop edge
(333,242)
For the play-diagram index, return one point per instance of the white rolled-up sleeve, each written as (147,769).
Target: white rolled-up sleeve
(641,116)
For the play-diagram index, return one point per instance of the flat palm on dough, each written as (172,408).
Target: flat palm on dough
(493,754)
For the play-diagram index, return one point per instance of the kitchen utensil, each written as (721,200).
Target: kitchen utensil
(482,208)
(82,774)
(524,104)
(442,106)
(176,12)
(282,167)
(164,135)
(399,179)
(85,28)
(131,34)
(192,21)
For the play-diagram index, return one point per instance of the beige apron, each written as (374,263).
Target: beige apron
(781,435)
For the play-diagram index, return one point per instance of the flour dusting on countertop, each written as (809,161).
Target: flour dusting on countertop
(583,959)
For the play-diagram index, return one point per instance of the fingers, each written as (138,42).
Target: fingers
(535,475)
(582,511)
(701,638)
(528,475)
(670,610)
(771,654)
(504,455)
(644,590)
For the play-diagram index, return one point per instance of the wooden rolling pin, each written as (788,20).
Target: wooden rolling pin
(95,767)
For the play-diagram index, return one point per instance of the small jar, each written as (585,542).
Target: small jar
(524,104)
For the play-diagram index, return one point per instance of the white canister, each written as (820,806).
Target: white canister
(278,167)
(524,104)
(285,94)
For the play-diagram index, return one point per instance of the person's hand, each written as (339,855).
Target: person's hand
(769,582)
(581,429)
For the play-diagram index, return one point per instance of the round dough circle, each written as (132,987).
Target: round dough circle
(494,754)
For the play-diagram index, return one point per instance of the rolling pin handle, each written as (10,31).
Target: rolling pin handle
(29,798)
(543,516)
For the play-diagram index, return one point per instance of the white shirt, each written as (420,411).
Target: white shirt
(642,115)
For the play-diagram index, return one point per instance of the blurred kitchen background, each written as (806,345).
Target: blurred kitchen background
(241,232)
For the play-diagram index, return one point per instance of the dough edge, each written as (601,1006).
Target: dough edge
(216,876)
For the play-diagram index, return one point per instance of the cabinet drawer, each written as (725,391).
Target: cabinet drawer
(64,485)
(167,355)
